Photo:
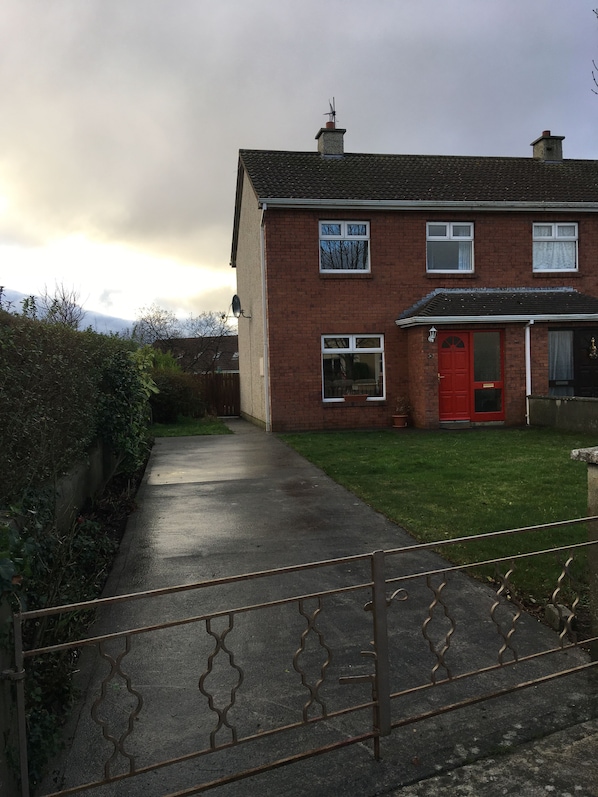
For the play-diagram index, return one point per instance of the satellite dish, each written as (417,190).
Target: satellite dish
(236,306)
(237,309)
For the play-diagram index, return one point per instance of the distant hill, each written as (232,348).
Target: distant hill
(97,321)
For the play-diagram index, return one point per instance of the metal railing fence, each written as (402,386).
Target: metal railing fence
(270,655)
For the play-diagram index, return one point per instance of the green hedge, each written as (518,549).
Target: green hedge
(59,390)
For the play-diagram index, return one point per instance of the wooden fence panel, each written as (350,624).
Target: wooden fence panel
(221,393)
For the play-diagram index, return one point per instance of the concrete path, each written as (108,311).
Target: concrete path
(211,507)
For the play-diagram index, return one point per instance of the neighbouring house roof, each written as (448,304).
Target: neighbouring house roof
(308,176)
(453,305)
(204,354)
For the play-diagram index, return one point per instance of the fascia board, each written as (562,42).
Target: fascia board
(237,214)
(409,204)
(416,321)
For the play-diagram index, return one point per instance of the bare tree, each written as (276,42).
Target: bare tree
(207,331)
(61,307)
(211,324)
(154,323)
(196,341)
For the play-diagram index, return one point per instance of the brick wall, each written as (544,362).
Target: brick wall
(303,305)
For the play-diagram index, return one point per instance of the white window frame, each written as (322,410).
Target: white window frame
(450,236)
(345,235)
(553,238)
(354,348)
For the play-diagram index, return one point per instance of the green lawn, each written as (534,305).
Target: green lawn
(446,484)
(186,427)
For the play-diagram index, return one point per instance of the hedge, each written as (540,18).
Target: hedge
(59,390)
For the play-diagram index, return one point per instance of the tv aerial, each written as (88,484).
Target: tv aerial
(237,309)
(331,114)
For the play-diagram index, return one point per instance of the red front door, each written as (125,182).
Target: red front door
(470,376)
(453,376)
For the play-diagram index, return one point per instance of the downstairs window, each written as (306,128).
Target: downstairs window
(352,364)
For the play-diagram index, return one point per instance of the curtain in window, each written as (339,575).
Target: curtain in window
(560,361)
(554,255)
(465,255)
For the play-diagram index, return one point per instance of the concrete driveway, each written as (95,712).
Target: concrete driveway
(212,507)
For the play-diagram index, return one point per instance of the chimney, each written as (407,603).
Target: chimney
(330,140)
(548,147)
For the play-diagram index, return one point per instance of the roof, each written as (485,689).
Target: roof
(446,305)
(295,176)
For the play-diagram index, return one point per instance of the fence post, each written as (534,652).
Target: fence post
(380,610)
(590,456)
(8,712)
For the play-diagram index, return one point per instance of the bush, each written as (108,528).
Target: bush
(123,407)
(178,394)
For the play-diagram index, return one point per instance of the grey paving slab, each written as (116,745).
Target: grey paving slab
(214,507)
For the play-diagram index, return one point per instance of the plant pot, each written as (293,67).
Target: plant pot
(356,398)
(400,421)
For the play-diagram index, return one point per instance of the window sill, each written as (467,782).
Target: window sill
(452,274)
(357,405)
(555,273)
(345,274)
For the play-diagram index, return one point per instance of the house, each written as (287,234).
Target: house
(204,355)
(464,283)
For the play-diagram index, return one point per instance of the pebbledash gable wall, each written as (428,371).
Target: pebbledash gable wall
(251,325)
(304,304)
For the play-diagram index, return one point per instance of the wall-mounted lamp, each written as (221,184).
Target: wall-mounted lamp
(432,334)
(237,310)
(593,351)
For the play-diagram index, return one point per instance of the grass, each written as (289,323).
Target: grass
(444,484)
(187,427)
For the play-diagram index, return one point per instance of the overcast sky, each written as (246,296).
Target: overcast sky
(121,120)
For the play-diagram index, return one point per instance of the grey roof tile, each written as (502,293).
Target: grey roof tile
(438,178)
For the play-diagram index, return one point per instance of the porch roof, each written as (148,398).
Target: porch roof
(453,305)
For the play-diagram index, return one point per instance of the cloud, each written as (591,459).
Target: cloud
(122,119)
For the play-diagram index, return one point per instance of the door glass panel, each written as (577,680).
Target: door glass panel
(486,359)
(560,362)
(488,400)
(453,340)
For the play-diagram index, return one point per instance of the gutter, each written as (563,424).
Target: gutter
(424,204)
(422,320)
(528,367)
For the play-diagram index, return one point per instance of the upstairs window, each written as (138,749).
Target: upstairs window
(352,364)
(344,246)
(449,246)
(555,247)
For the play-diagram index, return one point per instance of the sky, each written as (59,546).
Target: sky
(121,120)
